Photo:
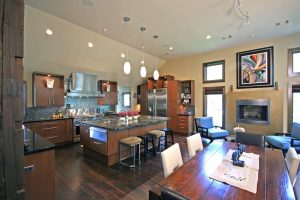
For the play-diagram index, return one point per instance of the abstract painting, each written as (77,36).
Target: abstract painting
(255,68)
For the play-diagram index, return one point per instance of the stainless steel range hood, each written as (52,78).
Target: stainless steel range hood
(83,85)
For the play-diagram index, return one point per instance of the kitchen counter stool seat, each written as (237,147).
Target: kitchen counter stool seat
(130,142)
(159,135)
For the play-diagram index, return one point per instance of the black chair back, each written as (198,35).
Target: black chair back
(168,194)
(250,139)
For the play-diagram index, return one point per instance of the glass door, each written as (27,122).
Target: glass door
(214,104)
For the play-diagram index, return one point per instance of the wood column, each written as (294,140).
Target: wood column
(11,79)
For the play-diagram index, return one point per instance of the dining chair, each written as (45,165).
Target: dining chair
(194,144)
(292,163)
(171,159)
(205,126)
(250,139)
(168,194)
(284,141)
(297,187)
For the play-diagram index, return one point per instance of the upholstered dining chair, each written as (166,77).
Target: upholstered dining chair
(171,159)
(292,163)
(285,141)
(250,139)
(194,144)
(205,126)
(297,187)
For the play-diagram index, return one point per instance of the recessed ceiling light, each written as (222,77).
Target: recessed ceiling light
(208,37)
(251,36)
(170,48)
(105,30)
(90,44)
(122,55)
(49,31)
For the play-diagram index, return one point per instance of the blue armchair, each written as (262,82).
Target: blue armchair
(204,126)
(285,141)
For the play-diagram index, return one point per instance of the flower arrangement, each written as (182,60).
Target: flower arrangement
(122,115)
(238,129)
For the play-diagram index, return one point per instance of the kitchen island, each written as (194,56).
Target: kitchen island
(100,138)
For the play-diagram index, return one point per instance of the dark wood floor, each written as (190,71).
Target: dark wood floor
(78,177)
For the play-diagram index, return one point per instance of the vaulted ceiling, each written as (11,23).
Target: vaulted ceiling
(183,25)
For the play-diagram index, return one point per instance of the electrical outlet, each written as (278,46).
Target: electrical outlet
(29,169)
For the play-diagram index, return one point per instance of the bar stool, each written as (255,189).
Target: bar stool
(159,135)
(168,131)
(145,142)
(130,142)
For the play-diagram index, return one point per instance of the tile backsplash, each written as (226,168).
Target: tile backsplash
(75,102)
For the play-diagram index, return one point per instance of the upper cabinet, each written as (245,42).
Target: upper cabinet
(48,89)
(187,92)
(110,90)
(162,82)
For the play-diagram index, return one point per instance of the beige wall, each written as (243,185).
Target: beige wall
(191,68)
(66,51)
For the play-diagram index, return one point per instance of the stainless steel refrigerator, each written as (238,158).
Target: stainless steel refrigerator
(157,102)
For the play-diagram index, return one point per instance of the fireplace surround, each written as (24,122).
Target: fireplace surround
(253,111)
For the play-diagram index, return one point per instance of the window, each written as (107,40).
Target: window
(126,99)
(214,71)
(294,62)
(214,104)
(293,103)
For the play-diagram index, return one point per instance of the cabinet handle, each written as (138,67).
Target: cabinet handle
(49,101)
(52,137)
(97,142)
(53,101)
(54,127)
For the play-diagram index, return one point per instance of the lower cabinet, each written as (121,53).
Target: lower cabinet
(56,131)
(185,124)
(39,178)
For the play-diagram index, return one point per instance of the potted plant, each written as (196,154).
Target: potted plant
(122,116)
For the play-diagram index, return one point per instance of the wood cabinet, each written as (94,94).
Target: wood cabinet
(56,131)
(143,98)
(44,94)
(40,183)
(185,124)
(188,92)
(162,82)
(110,90)
(173,103)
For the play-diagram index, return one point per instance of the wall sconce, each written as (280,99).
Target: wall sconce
(50,82)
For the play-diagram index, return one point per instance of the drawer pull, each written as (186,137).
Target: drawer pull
(52,137)
(49,123)
(54,127)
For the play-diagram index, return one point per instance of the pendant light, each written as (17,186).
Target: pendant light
(156,73)
(127,65)
(143,70)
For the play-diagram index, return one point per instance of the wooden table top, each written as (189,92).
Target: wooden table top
(192,179)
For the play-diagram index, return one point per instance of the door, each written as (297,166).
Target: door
(214,104)
(161,102)
(11,78)
(151,103)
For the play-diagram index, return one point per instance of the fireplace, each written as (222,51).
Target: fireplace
(253,111)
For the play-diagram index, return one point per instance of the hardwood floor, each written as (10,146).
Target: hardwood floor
(78,177)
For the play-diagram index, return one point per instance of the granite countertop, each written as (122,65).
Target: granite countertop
(35,142)
(115,124)
(44,119)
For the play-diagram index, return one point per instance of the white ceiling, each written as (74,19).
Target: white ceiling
(182,24)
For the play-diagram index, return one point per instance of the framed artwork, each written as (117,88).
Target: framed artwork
(255,68)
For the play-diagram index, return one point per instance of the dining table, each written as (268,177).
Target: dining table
(192,179)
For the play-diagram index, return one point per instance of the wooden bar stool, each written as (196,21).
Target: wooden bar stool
(130,142)
(168,131)
(159,135)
